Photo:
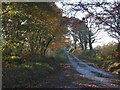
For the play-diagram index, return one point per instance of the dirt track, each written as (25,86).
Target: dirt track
(71,77)
(68,77)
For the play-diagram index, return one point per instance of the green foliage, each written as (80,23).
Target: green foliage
(21,74)
(14,58)
(107,52)
(104,57)
(28,29)
(12,47)
(101,53)
(29,72)
(61,56)
(32,71)
(90,55)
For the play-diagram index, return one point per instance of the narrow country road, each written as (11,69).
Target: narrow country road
(78,74)
(91,72)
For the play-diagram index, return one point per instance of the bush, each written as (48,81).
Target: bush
(104,57)
(33,70)
(88,54)
(107,52)
(21,75)
(100,53)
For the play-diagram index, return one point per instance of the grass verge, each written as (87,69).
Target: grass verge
(31,71)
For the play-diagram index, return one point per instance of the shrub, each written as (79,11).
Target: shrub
(21,75)
(107,52)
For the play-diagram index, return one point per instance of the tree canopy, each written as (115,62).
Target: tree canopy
(30,27)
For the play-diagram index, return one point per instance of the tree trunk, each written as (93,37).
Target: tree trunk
(118,52)
(90,45)
(81,42)
(85,45)
(41,51)
(42,48)
(32,49)
(90,42)
(49,40)
(75,45)
(82,46)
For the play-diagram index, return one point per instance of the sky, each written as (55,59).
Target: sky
(104,37)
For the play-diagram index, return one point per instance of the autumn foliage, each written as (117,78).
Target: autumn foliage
(30,28)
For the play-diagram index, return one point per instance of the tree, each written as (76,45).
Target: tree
(106,15)
(92,30)
(82,31)
(78,31)
(32,23)
(110,18)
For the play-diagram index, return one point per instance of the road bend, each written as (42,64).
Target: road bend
(99,76)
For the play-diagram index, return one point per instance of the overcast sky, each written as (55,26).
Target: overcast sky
(103,35)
